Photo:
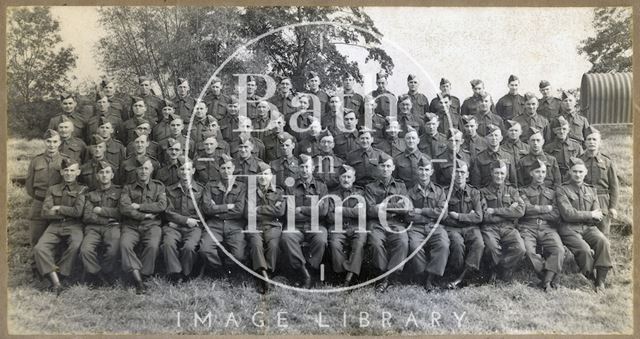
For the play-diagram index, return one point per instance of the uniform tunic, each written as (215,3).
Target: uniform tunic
(101,228)
(602,175)
(464,233)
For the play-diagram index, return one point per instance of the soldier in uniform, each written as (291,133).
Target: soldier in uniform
(512,142)
(207,162)
(89,169)
(432,142)
(216,100)
(351,99)
(115,153)
(244,127)
(407,161)
(283,98)
(536,152)
(531,118)
(502,207)
(462,225)
(428,202)
(444,168)
(365,159)
(333,116)
(264,242)
(392,144)
(346,139)
(169,172)
(473,143)
(385,100)
(103,111)
(449,121)
(327,163)
(141,205)
(246,163)
(419,101)
(139,109)
(183,100)
(485,116)
(481,166)
(406,118)
(346,243)
(286,166)
(69,104)
(602,175)
(512,104)
(153,103)
(299,122)
(445,90)
(62,207)
(578,124)
(200,121)
(176,126)
(161,130)
(181,234)
(127,172)
(538,227)
(310,144)
(272,149)
(388,239)
(153,150)
(70,145)
(229,124)
(120,102)
(580,210)
(313,83)
(224,209)
(471,105)
(101,217)
(549,105)
(373,120)
(262,118)
(250,110)
(562,147)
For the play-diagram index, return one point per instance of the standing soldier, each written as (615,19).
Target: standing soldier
(153,103)
(272,149)
(407,161)
(432,142)
(538,227)
(388,239)
(103,111)
(313,83)
(580,209)
(512,104)
(141,206)
(101,217)
(503,206)
(347,246)
(602,175)
(473,143)
(385,100)
(181,233)
(216,101)
(262,118)
(139,109)
(127,172)
(512,142)
(115,151)
(286,166)
(307,224)
(481,166)
(153,150)
(365,159)
(332,118)
(303,117)
(176,127)
(549,105)
(536,152)
(161,130)
(449,121)
(207,161)
(445,90)
(224,209)
(89,169)
(531,118)
(229,124)
(70,145)
(428,202)
(392,144)
(252,98)
(169,172)
(578,124)
(373,120)
(246,163)
(200,121)
(485,116)
(269,209)
(562,147)
(462,225)
(283,98)
(406,118)
(120,102)
(327,163)
(351,99)
(346,139)
(63,204)
(419,101)
(444,168)
(471,105)
(183,100)
(69,104)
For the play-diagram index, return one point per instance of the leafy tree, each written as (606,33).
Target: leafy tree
(610,50)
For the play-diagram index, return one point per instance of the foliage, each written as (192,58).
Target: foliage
(610,50)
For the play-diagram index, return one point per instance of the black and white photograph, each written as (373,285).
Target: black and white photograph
(319,170)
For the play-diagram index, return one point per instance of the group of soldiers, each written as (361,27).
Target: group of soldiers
(417,186)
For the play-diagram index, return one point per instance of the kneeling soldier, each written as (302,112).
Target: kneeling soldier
(352,235)
(63,204)
(503,206)
(580,209)
(538,226)
(428,202)
(141,205)
(183,228)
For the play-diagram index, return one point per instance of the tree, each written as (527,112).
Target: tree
(36,66)
(610,50)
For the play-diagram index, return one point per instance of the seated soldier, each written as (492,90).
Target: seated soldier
(224,210)
(141,205)
(153,150)
(181,234)
(63,204)
(580,210)
(462,225)
(536,152)
(512,142)
(538,227)
(481,166)
(70,145)
(115,152)
(326,162)
(407,161)
(504,247)
(444,168)
(365,159)
(562,147)
(307,224)
(388,239)
(287,165)
(392,144)
(427,236)
(347,225)
(128,169)
(169,174)
(101,218)
(264,240)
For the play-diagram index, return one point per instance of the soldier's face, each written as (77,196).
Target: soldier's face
(538,175)
(445,88)
(386,169)
(166,111)
(316,128)
(265,177)
(531,106)
(424,173)
(405,106)
(214,126)
(347,179)
(569,103)
(174,151)
(186,171)
(536,141)
(494,138)
(314,83)
(102,105)
(105,175)
(226,170)
(592,143)
(251,88)
(65,129)
(327,144)
(471,128)
(144,171)
(479,88)
(139,109)
(70,173)
(201,110)
(176,126)
(110,89)
(143,130)
(210,145)
(456,142)
(245,150)
(350,121)
(216,88)
(499,175)
(577,173)
(545,91)
(411,140)
(303,103)
(485,104)
(366,140)
(68,105)
(183,89)
(287,147)
(432,126)
(99,150)
(105,130)
(413,85)
(394,129)
(561,132)
(52,144)
(348,82)
(513,86)
(285,87)
(306,169)
(460,176)
(263,109)
(141,145)
(145,86)
(514,132)
(382,84)
(334,104)
(233,108)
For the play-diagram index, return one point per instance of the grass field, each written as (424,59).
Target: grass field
(514,308)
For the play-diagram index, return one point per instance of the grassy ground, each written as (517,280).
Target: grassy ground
(515,308)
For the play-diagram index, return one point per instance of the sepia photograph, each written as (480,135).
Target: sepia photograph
(319,170)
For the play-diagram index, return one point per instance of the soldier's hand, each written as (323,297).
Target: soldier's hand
(547,208)
(597,215)
(614,213)
(149,216)
(191,222)
(135,206)
(454,215)
(490,210)
(97,210)
(231,206)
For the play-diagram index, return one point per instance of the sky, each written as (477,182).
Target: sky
(457,43)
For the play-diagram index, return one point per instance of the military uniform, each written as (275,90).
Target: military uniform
(96,121)
(169,174)
(486,119)
(464,233)
(448,122)
(347,247)
(308,145)
(229,124)
(392,145)
(553,178)
(480,169)
(115,153)
(326,169)
(383,102)
(127,171)
(549,108)
(578,125)
(517,148)
(563,150)
(345,142)
(65,225)
(207,167)
(602,175)
(355,102)
(154,107)
(471,105)
(264,246)
(246,167)
(217,104)
(161,130)
(184,106)
(537,121)
(433,145)
(435,104)
(74,147)
(510,106)
(407,166)
(443,169)
(406,120)
(88,172)
(324,101)
(365,163)
(129,129)
(121,103)
(284,104)
(153,150)
(474,145)
(284,168)
(419,103)
(258,148)
(152,199)
(79,123)
(198,129)
(163,146)
(260,123)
